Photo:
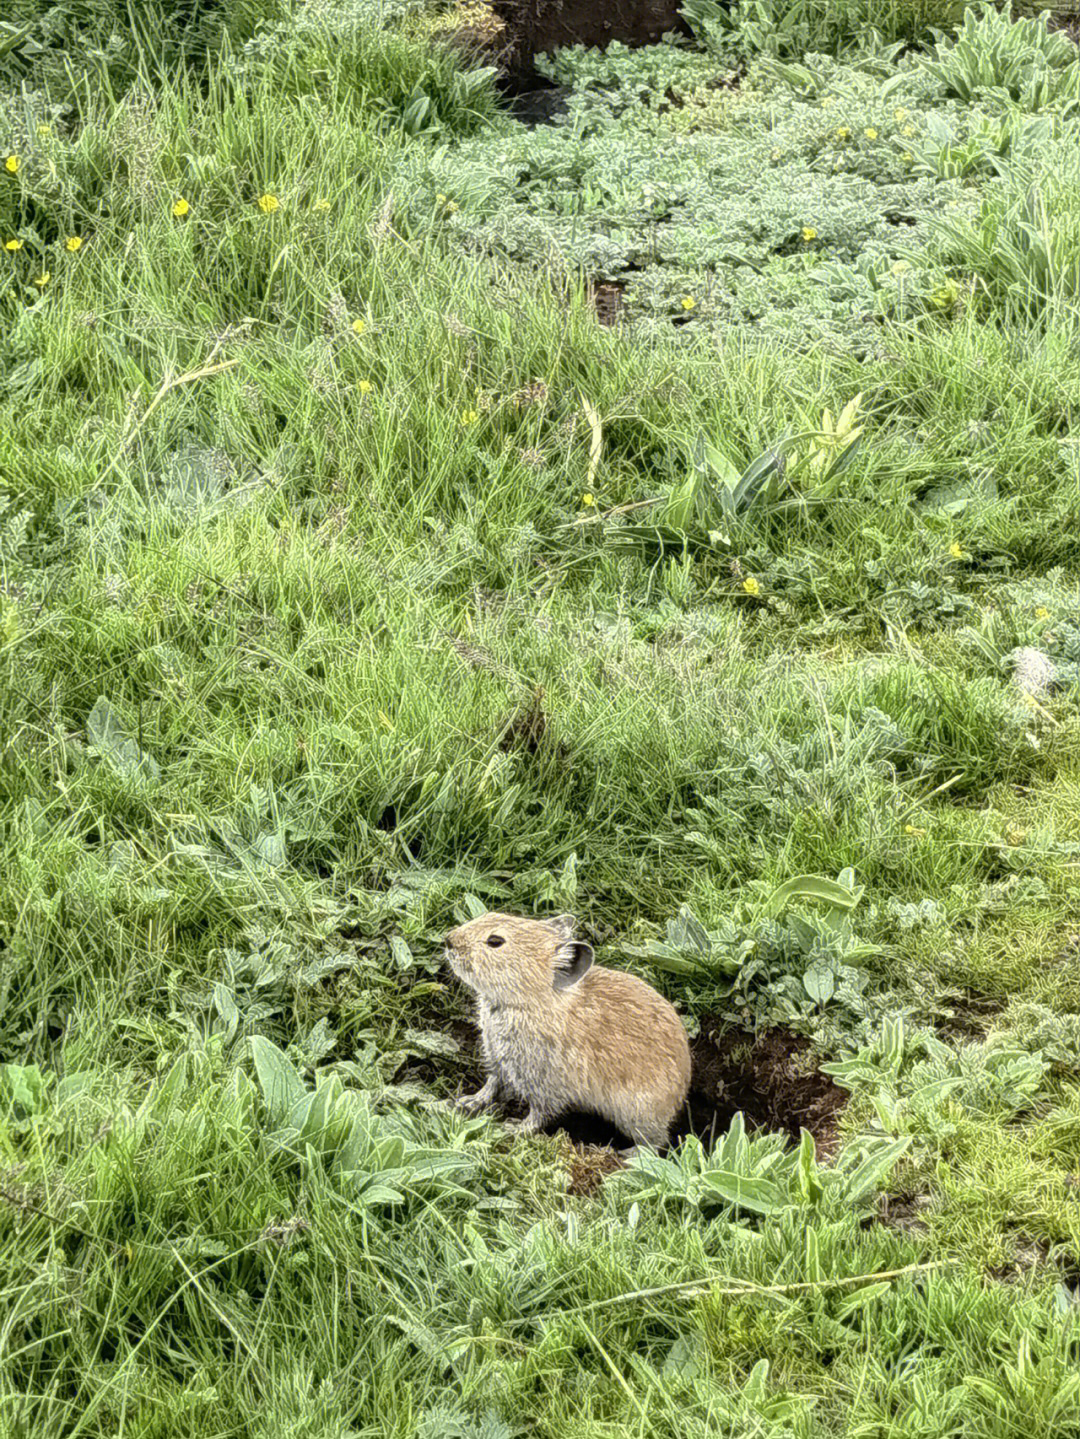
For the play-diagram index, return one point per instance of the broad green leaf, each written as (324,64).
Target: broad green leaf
(875,1167)
(758,1195)
(806,1170)
(109,740)
(281,1085)
(819,981)
(225,1004)
(812,886)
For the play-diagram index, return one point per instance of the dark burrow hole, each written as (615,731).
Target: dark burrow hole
(772,1079)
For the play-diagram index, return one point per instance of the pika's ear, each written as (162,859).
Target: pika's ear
(573,963)
(563,926)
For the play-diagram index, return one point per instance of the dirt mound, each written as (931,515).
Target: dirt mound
(772,1079)
(537,26)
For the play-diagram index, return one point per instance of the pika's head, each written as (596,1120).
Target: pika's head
(508,960)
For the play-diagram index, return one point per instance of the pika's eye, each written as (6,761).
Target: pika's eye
(495,940)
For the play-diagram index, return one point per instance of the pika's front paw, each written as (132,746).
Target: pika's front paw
(473,1103)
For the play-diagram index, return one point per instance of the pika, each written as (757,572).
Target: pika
(562,1033)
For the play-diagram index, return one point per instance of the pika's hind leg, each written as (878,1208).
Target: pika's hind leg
(534,1121)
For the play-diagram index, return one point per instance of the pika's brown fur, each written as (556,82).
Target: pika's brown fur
(561,1033)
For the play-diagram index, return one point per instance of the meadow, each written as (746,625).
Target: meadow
(667,513)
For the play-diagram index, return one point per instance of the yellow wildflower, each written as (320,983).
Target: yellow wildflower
(364,386)
(688,302)
(11,164)
(269,203)
(751,586)
(908,131)
(870,132)
(321,205)
(910,829)
(828,102)
(43,279)
(945,296)
(441,199)
(180,208)
(899,267)
(957,551)
(842,133)
(13,245)
(588,500)
(73,244)
(809,233)
(1042,613)
(452,207)
(899,115)
(908,158)
(469,417)
(358,326)
(44,131)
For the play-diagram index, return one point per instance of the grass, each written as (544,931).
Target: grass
(301,517)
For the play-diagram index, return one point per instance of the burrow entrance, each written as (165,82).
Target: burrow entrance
(772,1079)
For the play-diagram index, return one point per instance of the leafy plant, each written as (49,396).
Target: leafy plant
(378,1161)
(759,1174)
(1035,66)
(716,500)
(772,964)
(920,1085)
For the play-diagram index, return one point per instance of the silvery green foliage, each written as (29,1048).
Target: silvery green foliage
(759,1174)
(920,1085)
(791,214)
(377,1160)
(1021,60)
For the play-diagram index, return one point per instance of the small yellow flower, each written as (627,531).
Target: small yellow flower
(1042,613)
(180,208)
(452,207)
(945,296)
(908,158)
(365,386)
(322,206)
(44,131)
(73,244)
(842,133)
(589,501)
(441,199)
(899,267)
(828,102)
(43,279)
(751,586)
(469,417)
(808,233)
(957,551)
(899,115)
(269,203)
(910,829)
(870,132)
(358,326)
(908,131)
(11,164)
(688,302)
(13,245)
